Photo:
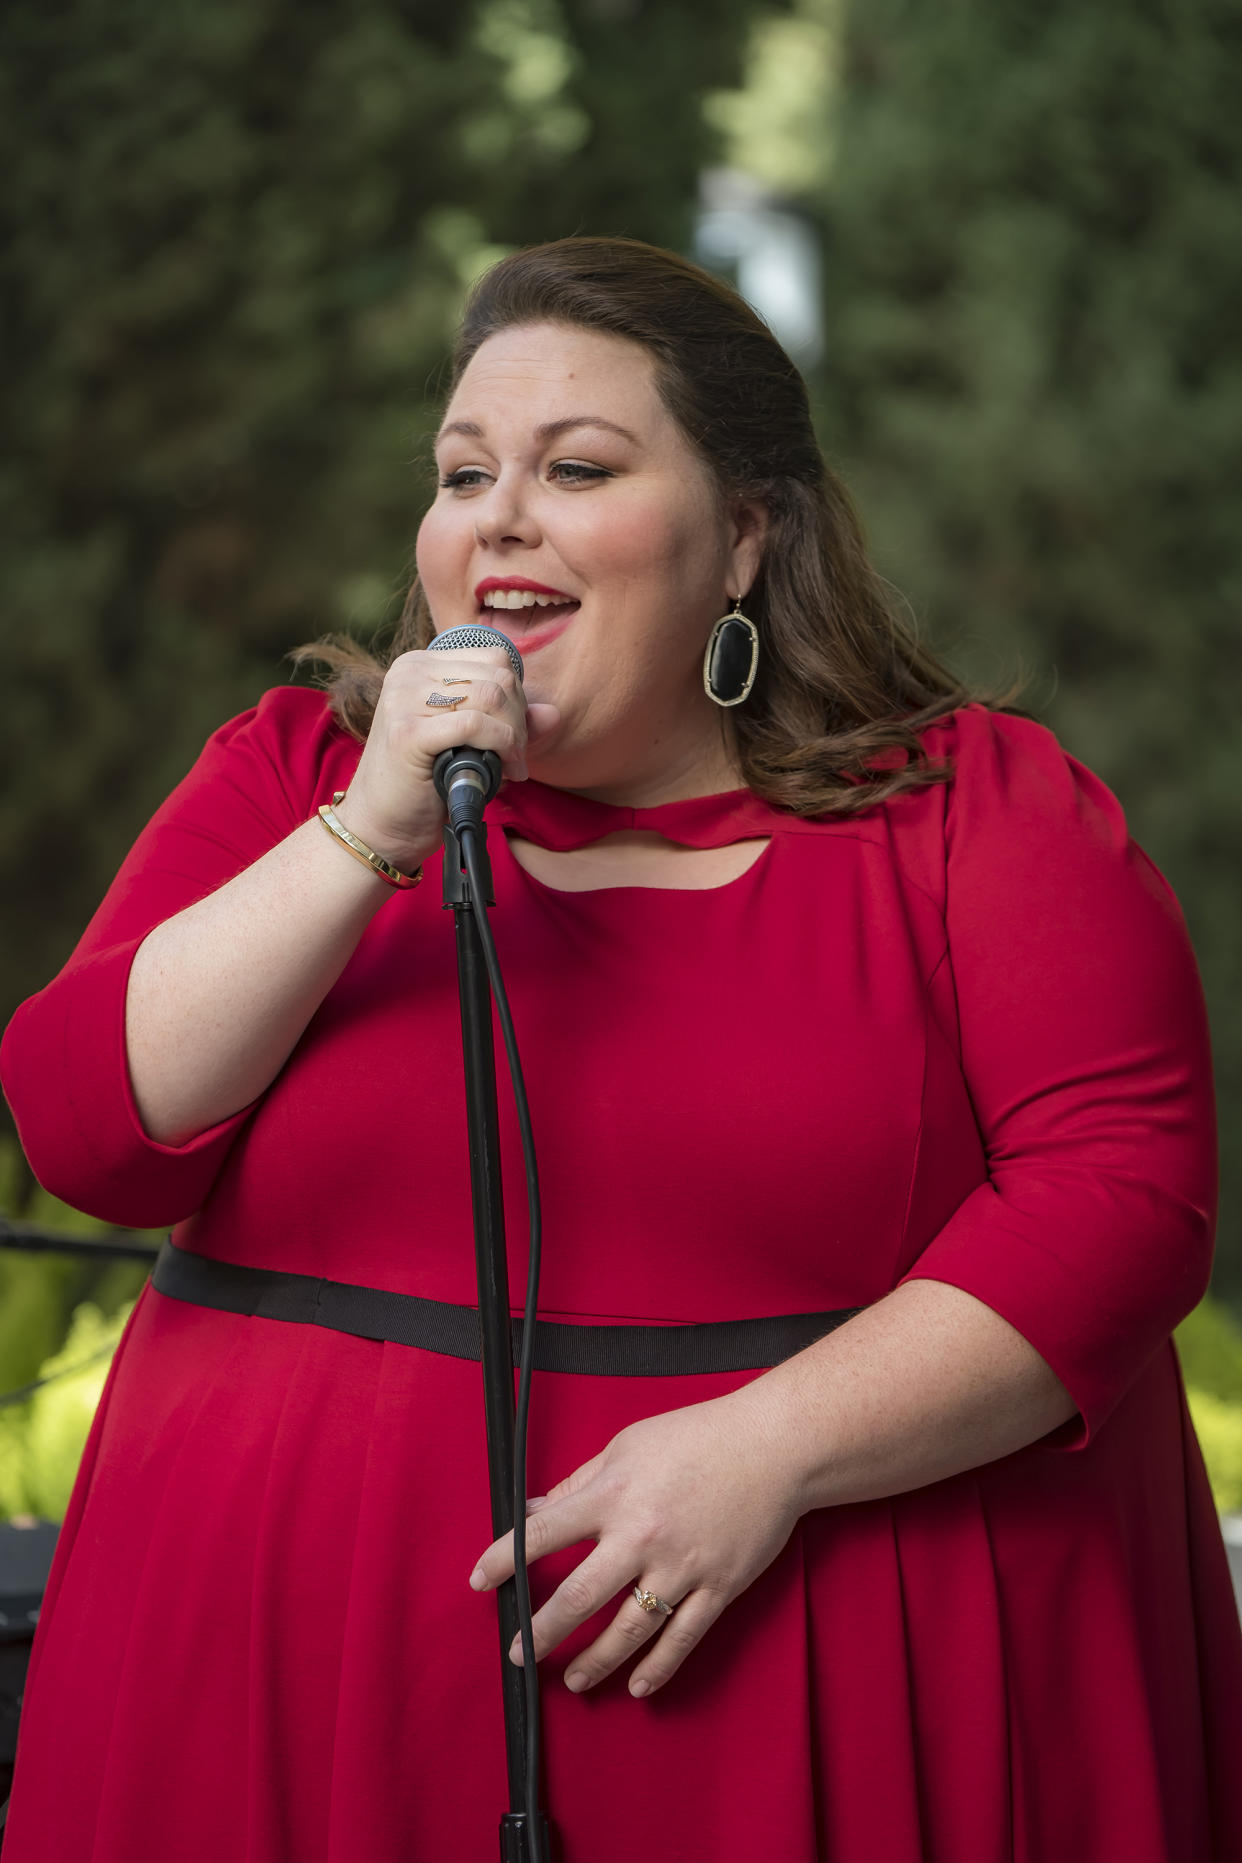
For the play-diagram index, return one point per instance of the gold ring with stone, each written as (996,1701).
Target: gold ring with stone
(457,682)
(647,1601)
(440,701)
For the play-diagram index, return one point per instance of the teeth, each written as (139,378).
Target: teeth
(519,598)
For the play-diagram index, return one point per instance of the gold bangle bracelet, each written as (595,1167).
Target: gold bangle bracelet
(382,868)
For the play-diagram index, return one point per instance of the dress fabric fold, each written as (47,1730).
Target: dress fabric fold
(957,1036)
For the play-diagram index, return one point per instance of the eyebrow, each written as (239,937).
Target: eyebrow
(550,429)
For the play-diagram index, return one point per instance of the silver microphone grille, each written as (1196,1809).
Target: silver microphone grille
(470,634)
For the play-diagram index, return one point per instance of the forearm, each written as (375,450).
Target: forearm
(924,1384)
(219,995)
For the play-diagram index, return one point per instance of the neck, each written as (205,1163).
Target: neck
(704,768)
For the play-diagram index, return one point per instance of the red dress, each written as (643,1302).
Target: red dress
(959,1036)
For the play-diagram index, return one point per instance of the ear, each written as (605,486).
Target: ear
(750,523)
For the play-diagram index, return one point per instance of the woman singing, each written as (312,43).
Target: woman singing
(839,992)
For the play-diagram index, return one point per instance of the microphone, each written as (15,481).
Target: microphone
(466,779)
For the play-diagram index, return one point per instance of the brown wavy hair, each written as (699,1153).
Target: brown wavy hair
(843,690)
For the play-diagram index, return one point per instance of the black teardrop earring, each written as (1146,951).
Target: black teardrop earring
(732,657)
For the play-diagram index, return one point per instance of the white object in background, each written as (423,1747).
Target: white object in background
(770,253)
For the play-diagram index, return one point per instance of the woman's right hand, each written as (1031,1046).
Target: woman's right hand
(220,993)
(392,803)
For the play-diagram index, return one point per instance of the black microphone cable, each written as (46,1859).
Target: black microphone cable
(467,779)
(467,842)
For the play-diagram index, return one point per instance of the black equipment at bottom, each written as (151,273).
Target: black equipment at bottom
(26,1548)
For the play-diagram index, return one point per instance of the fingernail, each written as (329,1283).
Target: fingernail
(640,1688)
(535,1500)
(515,1652)
(575,1681)
(478,1579)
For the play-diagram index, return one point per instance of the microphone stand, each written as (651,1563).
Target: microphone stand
(479,1056)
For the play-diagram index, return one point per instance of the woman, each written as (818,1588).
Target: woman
(847,994)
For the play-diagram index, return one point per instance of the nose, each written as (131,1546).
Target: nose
(504,513)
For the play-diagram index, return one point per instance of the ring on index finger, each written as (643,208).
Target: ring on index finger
(457,682)
(647,1601)
(440,701)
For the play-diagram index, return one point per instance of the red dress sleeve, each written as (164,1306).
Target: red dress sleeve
(1085,1049)
(63,1058)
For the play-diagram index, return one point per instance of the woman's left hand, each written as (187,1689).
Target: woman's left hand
(691,1505)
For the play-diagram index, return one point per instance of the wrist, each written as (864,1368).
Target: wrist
(399,873)
(401,847)
(765,1421)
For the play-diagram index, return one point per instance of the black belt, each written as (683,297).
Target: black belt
(439,1326)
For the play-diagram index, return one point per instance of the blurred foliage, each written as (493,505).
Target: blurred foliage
(41,1441)
(1218,1425)
(1209,1344)
(780,125)
(39,1291)
(41,1438)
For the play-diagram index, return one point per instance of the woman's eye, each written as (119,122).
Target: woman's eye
(572,471)
(561,472)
